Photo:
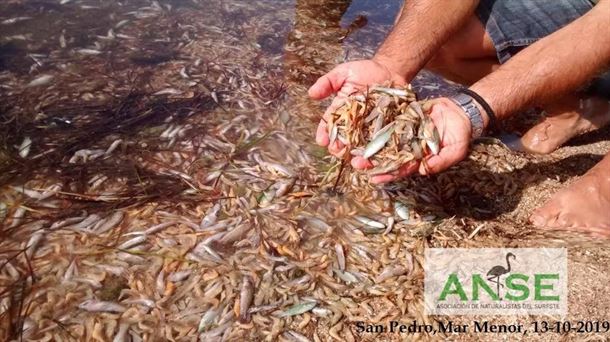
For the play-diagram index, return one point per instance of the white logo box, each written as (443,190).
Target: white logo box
(543,271)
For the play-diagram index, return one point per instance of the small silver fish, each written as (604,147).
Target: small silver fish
(132,242)
(390,271)
(245,299)
(390,91)
(168,91)
(15,20)
(40,81)
(179,276)
(431,135)
(89,52)
(379,141)
(340,256)
(367,221)
(295,336)
(210,216)
(92,305)
(346,276)
(207,319)
(109,223)
(401,210)
(298,309)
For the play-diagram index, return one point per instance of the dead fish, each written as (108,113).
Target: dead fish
(3,211)
(86,223)
(295,336)
(40,81)
(93,305)
(213,335)
(121,23)
(390,91)
(66,222)
(379,141)
(28,192)
(91,282)
(214,97)
(298,281)
(210,216)
(88,52)
(297,309)
(113,146)
(62,41)
(378,124)
(383,169)
(207,319)
(334,131)
(70,271)
(321,312)
(234,234)
(121,335)
(367,221)
(149,303)
(283,187)
(430,134)
(373,115)
(346,276)
(245,299)
(416,106)
(15,20)
(132,242)
(18,216)
(158,228)
(390,225)
(179,276)
(183,73)
(401,210)
(417,149)
(168,91)
(109,223)
(390,271)
(33,242)
(340,256)
(263,308)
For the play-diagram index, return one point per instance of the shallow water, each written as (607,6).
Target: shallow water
(119,116)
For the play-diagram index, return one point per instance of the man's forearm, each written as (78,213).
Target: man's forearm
(421,30)
(551,67)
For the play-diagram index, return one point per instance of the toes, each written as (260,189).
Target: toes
(545,217)
(538,220)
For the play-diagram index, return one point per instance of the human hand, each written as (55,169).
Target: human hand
(344,80)
(454,129)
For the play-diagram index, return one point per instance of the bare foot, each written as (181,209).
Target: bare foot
(584,205)
(565,119)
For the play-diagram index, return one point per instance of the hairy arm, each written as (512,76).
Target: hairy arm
(422,28)
(551,67)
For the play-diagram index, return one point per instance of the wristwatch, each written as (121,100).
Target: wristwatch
(466,102)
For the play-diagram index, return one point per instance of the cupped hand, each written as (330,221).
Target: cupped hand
(344,80)
(454,129)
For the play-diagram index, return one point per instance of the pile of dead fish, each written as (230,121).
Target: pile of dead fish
(386,125)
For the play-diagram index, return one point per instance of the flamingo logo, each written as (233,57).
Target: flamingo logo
(498,281)
(497,271)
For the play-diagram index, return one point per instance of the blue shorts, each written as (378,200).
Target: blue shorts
(515,24)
